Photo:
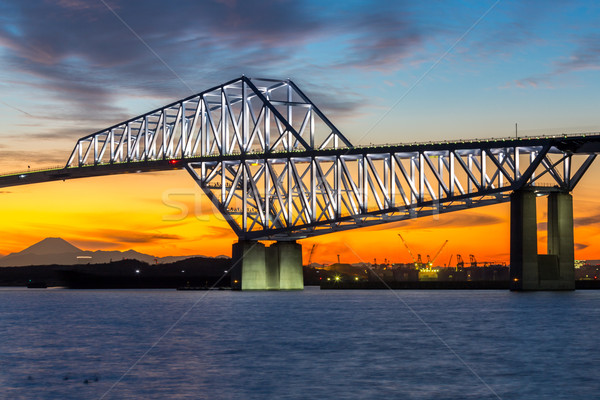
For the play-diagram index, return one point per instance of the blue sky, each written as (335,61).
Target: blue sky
(444,69)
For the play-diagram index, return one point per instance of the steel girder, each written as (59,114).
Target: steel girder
(290,196)
(239,117)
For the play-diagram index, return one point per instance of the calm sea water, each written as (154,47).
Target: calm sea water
(71,344)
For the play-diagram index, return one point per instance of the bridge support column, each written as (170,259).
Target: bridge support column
(532,271)
(286,257)
(249,271)
(277,267)
(560,238)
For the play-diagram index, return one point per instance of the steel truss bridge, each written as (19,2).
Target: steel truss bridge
(277,169)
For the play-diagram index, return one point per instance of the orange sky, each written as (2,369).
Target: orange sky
(146,212)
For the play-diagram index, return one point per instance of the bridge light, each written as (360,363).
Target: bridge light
(173,162)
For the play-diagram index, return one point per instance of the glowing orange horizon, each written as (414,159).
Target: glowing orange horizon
(167,214)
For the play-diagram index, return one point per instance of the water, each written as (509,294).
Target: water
(298,345)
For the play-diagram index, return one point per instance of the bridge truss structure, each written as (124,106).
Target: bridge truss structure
(277,169)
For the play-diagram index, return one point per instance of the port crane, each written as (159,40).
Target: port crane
(450,260)
(310,255)
(418,262)
(472,260)
(459,261)
(430,263)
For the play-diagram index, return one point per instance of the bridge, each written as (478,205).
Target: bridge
(278,169)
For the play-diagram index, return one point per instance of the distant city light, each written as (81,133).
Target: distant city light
(137,271)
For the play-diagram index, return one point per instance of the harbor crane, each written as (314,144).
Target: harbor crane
(310,255)
(418,262)
(430,263)
(459,261)
(472,260)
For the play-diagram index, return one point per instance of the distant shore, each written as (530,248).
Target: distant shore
(439,285)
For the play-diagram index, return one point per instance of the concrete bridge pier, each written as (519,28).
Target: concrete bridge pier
(528,269)
(277,267)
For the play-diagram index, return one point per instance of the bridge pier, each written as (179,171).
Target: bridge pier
(277,267)
(528,269)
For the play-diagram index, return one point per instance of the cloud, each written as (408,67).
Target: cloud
(385,36)
(586,57)
(217,232)
(586,221)
(80,54)
(580,246)
(87,244)
(122,236)
(453,220)
(34,158)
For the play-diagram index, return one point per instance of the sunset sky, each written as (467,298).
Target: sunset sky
(383,72)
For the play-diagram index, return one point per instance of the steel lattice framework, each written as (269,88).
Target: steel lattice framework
(277,168)
(239,117)
(292,196)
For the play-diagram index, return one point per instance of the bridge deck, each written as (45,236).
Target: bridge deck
(588,143)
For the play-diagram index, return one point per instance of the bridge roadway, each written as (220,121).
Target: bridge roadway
(278,169)
(587,144)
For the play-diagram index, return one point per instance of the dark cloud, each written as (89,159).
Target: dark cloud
(84,56)
(450,220)
(586,221)
(581,246)
(121,236)
(95,244)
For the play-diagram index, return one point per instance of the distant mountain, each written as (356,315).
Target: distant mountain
(48,251)
(51,246)
(58,251)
